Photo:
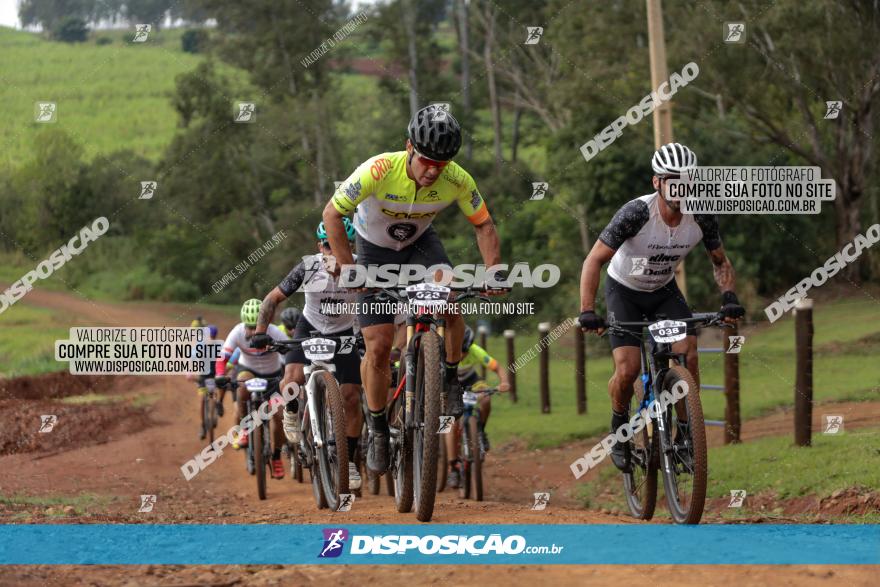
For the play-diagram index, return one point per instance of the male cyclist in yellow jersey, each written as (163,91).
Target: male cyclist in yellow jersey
(395,197)
(474,356)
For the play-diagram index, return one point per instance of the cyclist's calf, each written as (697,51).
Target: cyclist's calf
(627,366)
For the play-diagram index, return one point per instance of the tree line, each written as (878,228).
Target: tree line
(525,108)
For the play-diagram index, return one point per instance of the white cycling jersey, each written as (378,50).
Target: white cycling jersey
(262,362)
(647,249)
(324,296)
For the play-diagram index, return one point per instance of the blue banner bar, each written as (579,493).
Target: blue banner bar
(208,544)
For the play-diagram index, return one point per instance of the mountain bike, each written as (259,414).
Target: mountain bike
(323,449)
(258,455)
(473,451)
(683,465)
(414,414)
(208,391)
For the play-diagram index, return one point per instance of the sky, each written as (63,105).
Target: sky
(9,11)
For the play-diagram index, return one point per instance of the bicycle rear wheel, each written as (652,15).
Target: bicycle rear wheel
(259,460)
(210,415)
(442,465)
(429,387)
(205,413)
(685,471)
(640,486)
(465,461)
(333,456)
(399,477)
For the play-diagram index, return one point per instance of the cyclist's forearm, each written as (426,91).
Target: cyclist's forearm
(723,271)
(488,243)
(590,274)
(336,235)
(267,310)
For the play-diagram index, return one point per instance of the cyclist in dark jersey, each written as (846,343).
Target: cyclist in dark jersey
(645,240)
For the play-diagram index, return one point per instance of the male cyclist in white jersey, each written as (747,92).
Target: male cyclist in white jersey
(253,363)
(322,312)
(645,240)
(395,197)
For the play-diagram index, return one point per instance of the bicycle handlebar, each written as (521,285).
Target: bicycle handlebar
(699,320)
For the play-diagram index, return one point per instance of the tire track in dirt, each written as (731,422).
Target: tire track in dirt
(148,462)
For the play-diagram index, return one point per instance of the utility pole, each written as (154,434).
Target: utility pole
(663,112)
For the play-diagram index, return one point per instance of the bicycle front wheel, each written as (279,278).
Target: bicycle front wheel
(640,486)
(685,466)
(314,476)
(429,386)
(333,456)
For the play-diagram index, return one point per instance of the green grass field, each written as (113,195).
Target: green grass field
(845,368)
(108,97)
(27,340)
(769,467)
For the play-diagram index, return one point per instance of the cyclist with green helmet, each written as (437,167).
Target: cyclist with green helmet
(318,278)
(253,363)
(474,356)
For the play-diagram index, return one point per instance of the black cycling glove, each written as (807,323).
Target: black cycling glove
(221,380)
(589,320)
(260,341)
(730,306)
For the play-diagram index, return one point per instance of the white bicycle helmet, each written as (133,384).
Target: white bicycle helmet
(672,159)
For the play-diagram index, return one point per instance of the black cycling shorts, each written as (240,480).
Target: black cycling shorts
(630,305)
(348,366)
(427,250)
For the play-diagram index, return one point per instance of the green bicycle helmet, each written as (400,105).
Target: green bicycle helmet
(349,230)
(250,310)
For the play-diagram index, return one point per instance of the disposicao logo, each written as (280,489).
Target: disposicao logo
(334,541)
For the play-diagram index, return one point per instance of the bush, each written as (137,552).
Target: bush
(71,29)
(103,41)
(194,40)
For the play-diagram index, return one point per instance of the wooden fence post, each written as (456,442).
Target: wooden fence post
(481,330)
(511,372)
(803,388)
(543,330)
(732,423)
(580,370)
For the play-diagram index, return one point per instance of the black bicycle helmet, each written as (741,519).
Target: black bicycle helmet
(468,339)
(435,133)
(289,317)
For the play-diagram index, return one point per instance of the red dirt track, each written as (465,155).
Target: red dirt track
(122,449)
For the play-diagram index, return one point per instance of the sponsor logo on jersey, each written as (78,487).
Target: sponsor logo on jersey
(380,167)
(476,199)
(402,231)
(353,190)
(395,197)
(663,258)
(669,246)
(411,215)
(451,175)
(432,196)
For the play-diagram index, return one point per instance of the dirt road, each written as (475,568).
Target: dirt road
(111,467)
